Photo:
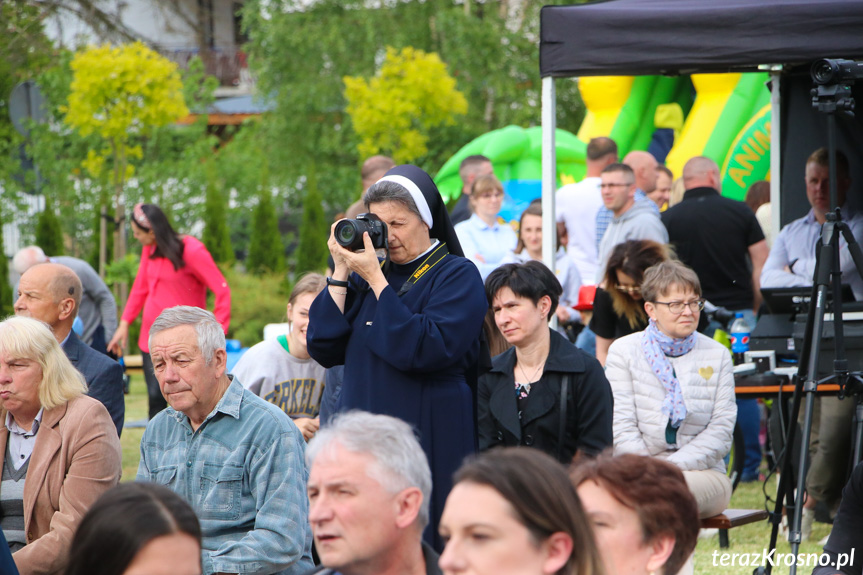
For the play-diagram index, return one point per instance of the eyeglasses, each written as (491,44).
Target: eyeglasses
(676,307)
(628,289)
(603,186)
(490,196)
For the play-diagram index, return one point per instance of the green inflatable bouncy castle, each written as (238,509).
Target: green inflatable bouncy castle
(725,117)
(516,154)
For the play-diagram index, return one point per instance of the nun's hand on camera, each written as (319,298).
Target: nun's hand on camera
(365,263)
(341,270)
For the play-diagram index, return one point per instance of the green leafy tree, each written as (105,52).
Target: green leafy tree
(25,52)
(312,247)
(49,232)
(216,236)
(266,251)
(393,111)
(120,94)
(171,167)
(6,296)
(491,54)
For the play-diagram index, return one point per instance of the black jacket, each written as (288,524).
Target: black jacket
(104,377)
(589,409)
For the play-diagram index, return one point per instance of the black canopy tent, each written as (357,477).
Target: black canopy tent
(640,37)
(646,37)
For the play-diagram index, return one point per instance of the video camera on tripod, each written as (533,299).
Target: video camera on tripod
(831,94)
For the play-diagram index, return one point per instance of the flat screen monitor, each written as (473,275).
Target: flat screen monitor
(793,300)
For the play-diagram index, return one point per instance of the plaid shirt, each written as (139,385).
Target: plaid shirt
(604,216)
(243,472)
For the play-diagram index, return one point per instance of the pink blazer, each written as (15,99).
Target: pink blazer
(76,458)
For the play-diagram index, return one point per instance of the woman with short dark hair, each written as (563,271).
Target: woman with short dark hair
(645,520)
(137,529)
(543,392)
(516,511)
(529,247)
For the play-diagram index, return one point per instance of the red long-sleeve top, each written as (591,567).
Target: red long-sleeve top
(158,286)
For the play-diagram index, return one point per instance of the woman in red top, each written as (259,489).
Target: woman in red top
(175,270)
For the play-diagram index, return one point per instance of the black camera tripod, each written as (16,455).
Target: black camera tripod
(828,99)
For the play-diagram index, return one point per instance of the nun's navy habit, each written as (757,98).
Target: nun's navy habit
(407,355)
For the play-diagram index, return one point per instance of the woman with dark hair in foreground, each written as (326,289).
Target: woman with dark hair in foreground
(137,529)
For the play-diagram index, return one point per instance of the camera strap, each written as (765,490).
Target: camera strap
(433,259)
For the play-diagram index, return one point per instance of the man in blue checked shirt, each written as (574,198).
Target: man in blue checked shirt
(237,459)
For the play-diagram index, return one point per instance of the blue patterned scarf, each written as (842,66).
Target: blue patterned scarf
(657,347)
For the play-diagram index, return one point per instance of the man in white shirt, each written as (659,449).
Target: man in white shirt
(791,262)
(578,204)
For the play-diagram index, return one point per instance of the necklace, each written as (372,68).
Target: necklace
(531,379)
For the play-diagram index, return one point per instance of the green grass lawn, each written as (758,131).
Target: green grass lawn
(753,538)
(130,440)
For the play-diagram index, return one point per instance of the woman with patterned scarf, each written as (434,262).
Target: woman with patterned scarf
(674,388)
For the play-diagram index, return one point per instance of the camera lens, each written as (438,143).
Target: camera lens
(823,71)
(346,233)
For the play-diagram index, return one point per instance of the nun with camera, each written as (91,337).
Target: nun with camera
(407,329)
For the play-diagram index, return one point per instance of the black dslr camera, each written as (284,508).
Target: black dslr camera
(349,233)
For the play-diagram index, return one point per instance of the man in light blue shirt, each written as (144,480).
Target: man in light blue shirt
(237,459)
(791,262)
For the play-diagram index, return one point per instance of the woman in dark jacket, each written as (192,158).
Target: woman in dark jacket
(543,392)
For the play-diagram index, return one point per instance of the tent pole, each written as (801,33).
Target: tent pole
(549,171)
(775,151)
(549,176)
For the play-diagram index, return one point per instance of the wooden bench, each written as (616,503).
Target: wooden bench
(134,364)
(731,518)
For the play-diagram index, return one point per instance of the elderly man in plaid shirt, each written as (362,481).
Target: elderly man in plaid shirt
(237,459)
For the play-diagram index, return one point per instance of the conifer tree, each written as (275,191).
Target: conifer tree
(49,232)
(216,236)
(266,250)
(312,247)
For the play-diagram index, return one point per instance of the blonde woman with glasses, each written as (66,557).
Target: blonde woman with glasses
(486,241)
(674,388)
